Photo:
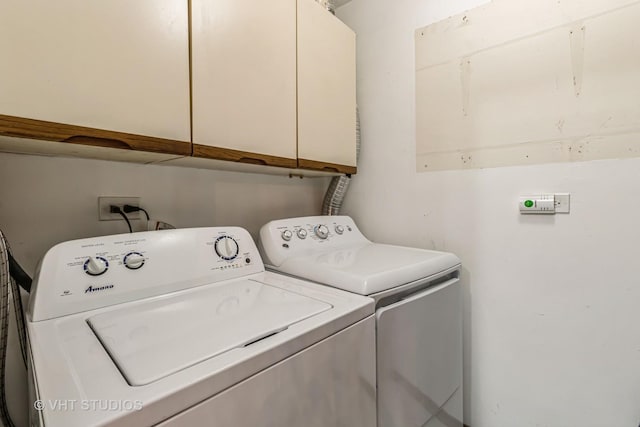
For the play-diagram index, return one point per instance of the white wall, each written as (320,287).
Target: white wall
(46,200)
(551,315)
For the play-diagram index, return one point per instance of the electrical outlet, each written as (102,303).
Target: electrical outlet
(105,203)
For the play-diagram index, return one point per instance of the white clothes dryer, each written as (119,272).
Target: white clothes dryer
(418,310)
(184,327)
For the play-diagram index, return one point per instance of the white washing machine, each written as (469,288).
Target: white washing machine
(185,328)
(418,310)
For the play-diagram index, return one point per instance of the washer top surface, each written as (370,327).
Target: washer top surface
(345,259)
(167,335)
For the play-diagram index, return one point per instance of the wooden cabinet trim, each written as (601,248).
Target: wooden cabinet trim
(326,167)
(50,131)
(218,153)
(19,127)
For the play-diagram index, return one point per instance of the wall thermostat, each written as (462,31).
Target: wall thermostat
(544,203)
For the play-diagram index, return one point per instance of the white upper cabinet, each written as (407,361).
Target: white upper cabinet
(252,81)
(326,88)
(116,65)
(244,80)
(272,82)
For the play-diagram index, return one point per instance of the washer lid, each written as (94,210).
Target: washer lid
(369,268)
(172,333)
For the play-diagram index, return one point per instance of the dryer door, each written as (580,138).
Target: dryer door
(419,366)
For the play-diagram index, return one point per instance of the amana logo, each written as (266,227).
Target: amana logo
(97,288)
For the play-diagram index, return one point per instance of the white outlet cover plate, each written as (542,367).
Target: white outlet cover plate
(104,207)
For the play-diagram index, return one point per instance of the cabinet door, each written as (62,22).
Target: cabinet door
(117,65)
(326,90)
(244,80)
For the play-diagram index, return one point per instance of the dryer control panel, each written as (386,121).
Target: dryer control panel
(91,273)
(287,238)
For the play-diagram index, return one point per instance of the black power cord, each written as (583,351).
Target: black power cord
(131,208)
(18,274)
(116,209)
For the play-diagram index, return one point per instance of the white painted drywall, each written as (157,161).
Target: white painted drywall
(552,317)
(46,200)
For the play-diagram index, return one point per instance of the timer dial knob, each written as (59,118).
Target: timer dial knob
(287,235)
(226,247)
(321,231)
(133,260)
(95,266)
(302,233)
(339,229)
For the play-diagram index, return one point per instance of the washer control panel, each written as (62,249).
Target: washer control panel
(286,238)
(90,273)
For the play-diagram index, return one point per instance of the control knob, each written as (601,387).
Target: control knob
(287,235)
(133,260)
(339,229)
(95,266)
(226,247)
(321,231)
(302,233)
